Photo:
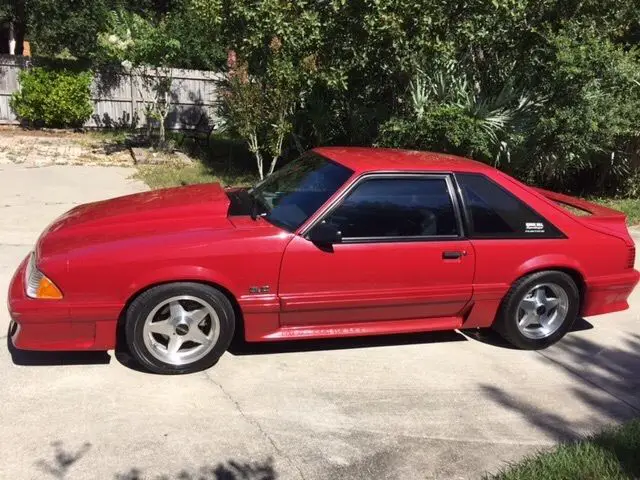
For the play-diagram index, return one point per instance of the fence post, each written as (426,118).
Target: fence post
(133,100)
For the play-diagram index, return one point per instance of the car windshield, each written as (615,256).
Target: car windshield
(291,195)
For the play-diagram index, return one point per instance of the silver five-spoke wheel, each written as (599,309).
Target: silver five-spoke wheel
(181,330)
(542,311)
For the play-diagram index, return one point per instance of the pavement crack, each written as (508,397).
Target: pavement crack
(255,424)
(9,205)
(589,381)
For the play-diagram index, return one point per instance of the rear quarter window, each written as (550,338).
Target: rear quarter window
(496,213)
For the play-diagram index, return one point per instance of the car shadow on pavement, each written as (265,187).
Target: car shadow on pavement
(240,347)
(31,358)
(491,337)
(64,460)
(123,355)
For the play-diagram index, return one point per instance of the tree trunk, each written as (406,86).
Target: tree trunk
(254,147)
(148,111)
(12,39)
(162,134)
(278,154)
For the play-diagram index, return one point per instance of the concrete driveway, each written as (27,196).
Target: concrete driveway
(420,406)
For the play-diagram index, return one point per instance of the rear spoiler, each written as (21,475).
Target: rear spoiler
(600,218)
(600,211)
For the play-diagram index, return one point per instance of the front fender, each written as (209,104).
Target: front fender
(179,273)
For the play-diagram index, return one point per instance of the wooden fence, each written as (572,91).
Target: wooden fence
(119,100)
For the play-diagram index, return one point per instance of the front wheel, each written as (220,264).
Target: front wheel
(538,310)
(179,327)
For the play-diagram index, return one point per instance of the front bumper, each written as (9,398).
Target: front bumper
(610,293)
(47,324)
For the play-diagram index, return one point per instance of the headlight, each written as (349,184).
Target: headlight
(37,285)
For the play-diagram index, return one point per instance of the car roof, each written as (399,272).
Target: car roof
(369,159)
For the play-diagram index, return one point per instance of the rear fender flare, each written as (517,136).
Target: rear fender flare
(548,262)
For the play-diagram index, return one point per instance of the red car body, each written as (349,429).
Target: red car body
(102,255)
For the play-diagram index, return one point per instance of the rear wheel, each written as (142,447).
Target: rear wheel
(539,310)
(179,327)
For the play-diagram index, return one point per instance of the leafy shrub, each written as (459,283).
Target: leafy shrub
(631,184)
(260,108)
(444,128)
(336,72)
(588,130)
(450,112)
(53,98)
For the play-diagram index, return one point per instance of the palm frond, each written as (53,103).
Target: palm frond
(508,111)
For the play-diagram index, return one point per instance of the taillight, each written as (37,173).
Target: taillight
(632,256)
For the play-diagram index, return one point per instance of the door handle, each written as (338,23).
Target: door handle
(451,255)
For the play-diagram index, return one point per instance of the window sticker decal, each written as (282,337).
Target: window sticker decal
(534,227)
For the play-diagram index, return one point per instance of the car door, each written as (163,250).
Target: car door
(402,256)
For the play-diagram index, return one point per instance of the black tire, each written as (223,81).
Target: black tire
(506,322)
(144,304)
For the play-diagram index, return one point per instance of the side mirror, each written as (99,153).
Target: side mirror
(325,234)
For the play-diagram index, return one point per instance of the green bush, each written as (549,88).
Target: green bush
(587,134)
(572,125)
(444,128)
(51,98)
(448,111)
(549,90)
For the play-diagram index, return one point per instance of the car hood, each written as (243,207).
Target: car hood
(160,211)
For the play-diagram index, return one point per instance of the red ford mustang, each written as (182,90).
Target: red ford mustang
(341,242)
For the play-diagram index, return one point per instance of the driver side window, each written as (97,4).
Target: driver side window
(396,208)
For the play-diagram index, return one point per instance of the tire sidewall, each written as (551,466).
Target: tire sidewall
(147,301)
(507,323)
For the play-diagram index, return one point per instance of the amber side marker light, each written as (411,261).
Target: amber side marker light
(47,289)
(37,285)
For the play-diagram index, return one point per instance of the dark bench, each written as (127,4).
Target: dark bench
(200,131)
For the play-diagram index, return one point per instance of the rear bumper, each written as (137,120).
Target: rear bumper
(47,324)
(610,293)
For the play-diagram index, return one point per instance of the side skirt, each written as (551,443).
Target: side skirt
(358,329)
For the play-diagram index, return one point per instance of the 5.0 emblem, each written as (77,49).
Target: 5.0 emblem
(262,289)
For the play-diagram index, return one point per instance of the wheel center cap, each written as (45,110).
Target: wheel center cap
(541,310)
(182,329)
